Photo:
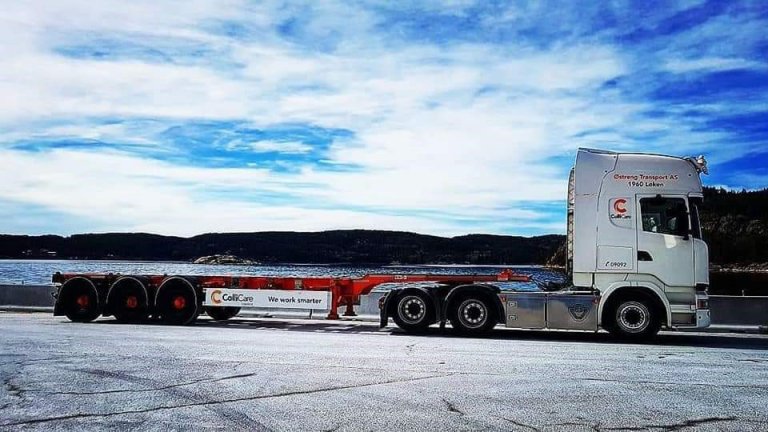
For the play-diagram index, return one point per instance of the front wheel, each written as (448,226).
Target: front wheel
(472,315)
(634,319)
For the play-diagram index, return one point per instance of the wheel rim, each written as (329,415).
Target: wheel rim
(179,302)
(412,309)
(473,313)
(633,317)
(131,302)
(83,301)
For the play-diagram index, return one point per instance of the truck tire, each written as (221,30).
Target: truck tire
(633,319)
(129,303)
(177,303)
(222,313)
(472,315)
(413,312)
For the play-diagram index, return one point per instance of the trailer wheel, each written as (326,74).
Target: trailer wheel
(177,302)
(413,312)
(634,319)
(472,315)
(128,301)
(80,301)
(222,313)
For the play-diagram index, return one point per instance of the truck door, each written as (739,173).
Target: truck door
(664,246)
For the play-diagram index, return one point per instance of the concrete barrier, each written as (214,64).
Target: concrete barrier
(726,310)
(27,295)
(746,311)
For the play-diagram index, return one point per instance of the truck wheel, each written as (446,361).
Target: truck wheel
(472,315)
(634,319)
(222,313)
(81,304)
(177,303)
(414,312)
(129,303)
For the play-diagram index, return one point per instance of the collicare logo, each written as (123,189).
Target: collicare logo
(216,296)
(620,206)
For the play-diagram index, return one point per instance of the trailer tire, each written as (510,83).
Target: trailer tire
(80,300)
(222,313)
(634,319)
(413,312)
(472,314)
(177,302)
(128,301)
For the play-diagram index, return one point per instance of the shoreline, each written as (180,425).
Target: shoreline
(755,268)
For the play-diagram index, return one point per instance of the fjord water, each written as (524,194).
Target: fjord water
(40,271)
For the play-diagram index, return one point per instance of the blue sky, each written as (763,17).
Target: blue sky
(444,118)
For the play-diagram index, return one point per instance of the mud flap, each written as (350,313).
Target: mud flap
(383,307)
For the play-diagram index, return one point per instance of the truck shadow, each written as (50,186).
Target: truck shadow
(701,340)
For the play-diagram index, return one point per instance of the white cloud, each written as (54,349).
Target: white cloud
(140,195)
(443,132)
(712,64)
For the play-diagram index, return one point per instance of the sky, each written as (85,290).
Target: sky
(442,118)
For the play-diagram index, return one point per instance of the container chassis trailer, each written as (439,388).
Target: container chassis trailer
(179,300)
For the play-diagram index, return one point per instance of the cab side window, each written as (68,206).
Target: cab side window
(664,215)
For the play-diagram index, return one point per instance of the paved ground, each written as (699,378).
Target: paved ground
(316,375)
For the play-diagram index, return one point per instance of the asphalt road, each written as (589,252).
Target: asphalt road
(317,375)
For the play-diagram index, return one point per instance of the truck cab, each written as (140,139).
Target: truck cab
(634,237)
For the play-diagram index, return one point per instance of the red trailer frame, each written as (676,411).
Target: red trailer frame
(345,291)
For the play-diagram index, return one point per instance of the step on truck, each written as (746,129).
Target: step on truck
(636,263)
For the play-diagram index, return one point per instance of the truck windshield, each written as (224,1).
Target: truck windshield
(695,203)
(664,215)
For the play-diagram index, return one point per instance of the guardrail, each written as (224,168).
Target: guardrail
(726,310)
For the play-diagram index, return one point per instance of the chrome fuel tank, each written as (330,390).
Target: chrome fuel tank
(555,310)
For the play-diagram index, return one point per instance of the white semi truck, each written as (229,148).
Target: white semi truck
(635,258)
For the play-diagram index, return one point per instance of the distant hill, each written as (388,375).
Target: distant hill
(735,225)
(350,246)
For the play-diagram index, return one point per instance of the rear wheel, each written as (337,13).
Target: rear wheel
(128,301)
(634,319)
(130,308)
(414,312)
(177,302)
(472,315)
(222,313)
(80,301)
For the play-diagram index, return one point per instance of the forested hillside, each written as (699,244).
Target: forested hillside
(735,225)
(353,246)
